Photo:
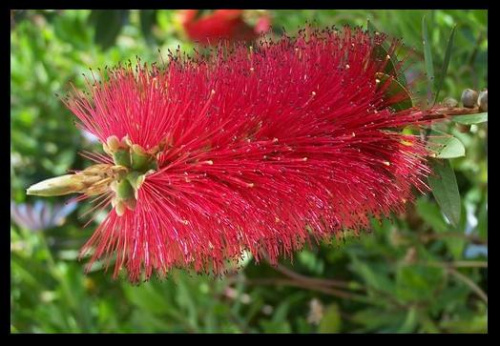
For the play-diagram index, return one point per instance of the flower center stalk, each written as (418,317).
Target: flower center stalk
(138,162)
(132,163)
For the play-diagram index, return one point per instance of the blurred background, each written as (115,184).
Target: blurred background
(416,273)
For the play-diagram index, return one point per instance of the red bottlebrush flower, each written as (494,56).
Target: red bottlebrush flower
(245,150)
(220,25)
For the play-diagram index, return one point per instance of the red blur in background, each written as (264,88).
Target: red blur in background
(214,26)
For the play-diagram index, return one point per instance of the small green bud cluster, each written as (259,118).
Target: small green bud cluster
(138,162)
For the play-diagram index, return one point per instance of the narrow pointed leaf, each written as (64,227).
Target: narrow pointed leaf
(471,119)
(108,24)
(445,189)
(429,67)
(395,90)
(381,52)
(446,62)
(148,20)
(445,146)
(331,321)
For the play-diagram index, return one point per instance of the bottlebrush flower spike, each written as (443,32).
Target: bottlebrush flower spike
(220,25)
(262,150)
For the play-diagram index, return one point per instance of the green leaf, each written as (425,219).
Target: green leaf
(470,119)
(449,297)
(372,276)
(431,214)
(482,224)
(279,322)
(476,324)
(149,299)
(108,24)
(73,31)
(380,52)
(445,189)
(331,321)
(445,146)
(418,283)
(410,322)
(371,28)
(148,20)
(446,62)
(394,91)
(375,319)
(429,67)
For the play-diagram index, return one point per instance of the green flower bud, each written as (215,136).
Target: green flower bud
(122,157)
(140,158)
(124,190)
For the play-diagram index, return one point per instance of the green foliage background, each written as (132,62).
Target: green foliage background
(417,273)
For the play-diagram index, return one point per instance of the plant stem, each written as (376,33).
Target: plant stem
(294,275)
(459,264)
(326,290)
(471,284)
(472,238)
